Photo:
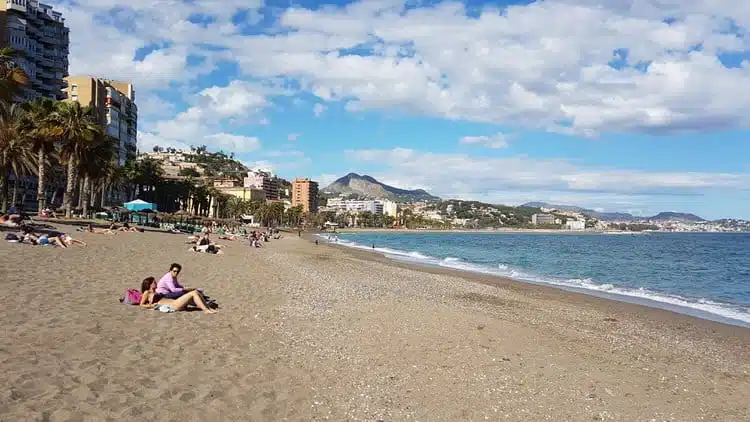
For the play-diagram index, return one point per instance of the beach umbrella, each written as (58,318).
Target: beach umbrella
(140,205)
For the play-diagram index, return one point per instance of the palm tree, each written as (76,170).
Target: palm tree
(41,127)
(78,129)
(12,78)
(92,165)
(111,180)
(15,151)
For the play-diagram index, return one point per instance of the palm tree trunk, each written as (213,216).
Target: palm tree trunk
(41,191)
(104,195)
(79,187)
(85,197)
(14,199)
(70,186)
(4,186)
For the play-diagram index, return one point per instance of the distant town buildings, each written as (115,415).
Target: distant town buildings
(174,163)
(114,104)
(538,219)
(265,181)
(305,193)
(38,32)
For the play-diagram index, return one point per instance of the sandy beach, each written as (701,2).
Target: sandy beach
(310,332)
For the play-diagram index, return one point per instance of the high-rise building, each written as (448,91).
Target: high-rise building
(114,103)
(259,179)
(305,193)
(39,35)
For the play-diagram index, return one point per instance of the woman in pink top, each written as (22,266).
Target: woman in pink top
(149,298)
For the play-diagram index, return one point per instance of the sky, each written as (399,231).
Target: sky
(616,105)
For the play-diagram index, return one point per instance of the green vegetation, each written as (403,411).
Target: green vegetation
(216,163)
(46,134)
(484,215)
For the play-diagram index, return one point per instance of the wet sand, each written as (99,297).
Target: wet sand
(315,332)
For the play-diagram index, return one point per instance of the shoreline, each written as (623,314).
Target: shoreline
(523,231)
(496,280)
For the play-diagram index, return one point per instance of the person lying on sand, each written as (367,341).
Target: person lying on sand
(10,220)
(69,241)
(43,239)
(149,298)
(125,228)
(212,248)
(91,229)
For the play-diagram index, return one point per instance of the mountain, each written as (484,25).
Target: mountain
(367,187)
(676,216)
(618,216)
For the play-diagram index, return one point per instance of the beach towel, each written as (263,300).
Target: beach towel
(132,297)
(163,308)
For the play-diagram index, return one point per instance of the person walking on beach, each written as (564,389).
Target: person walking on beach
(169,287)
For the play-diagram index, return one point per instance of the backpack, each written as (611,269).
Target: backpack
(132,297)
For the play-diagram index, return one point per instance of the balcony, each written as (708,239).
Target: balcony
(18,7)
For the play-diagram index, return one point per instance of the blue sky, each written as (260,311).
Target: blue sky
(619,106)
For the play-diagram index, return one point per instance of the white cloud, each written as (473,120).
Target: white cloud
(521,66)
(234,143)
(318,109)
(326,179)
(293,136)
(516,179)
(496,141)
(518,66)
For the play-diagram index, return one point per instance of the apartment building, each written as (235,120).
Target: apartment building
(542,219)
(259,179)
(39,34)
(114,103)
(355,206)
(390,208)
(305,193)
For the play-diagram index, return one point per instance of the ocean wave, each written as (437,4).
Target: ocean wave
(701,307)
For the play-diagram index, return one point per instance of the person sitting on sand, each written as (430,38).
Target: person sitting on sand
(168,286)
(150,297)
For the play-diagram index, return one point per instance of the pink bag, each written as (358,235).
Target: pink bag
(132,297)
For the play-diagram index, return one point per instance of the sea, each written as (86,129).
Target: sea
(706,275)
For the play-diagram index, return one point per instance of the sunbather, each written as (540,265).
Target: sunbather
(149,298)
(28,236)
(69,241)
(125,228)
(91,229)
(10,220)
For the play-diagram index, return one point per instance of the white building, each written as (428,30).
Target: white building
(390,208)
(355,206)
(39,33)
(575,225)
